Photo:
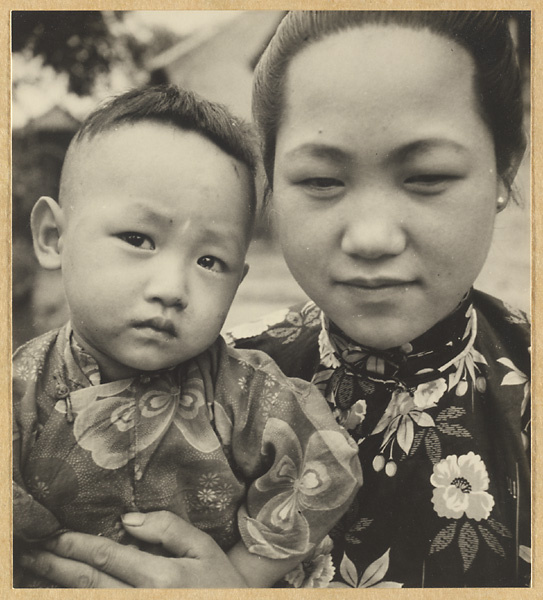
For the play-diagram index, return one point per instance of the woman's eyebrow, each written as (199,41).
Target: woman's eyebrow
(339,155)
(427,145)
(316,150)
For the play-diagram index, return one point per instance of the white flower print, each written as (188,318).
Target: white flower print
(406,409)
(460,484)
(28,369)
(213,493)
(28,360)
(39,488)
(355,415)
(269,382)
(470,314)
(525,553)
(316,571)
(224,495)
(206,496)
(427,395)
(326,350)
(209,479)
(466,366)
(371,578)
(516,377)
(242,382)
(254,328)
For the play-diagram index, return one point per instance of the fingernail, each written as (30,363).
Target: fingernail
(133,519)
(27,560)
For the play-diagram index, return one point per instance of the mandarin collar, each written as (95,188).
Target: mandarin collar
(432,351)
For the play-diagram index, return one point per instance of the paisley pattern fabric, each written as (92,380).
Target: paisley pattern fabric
(443,430)
(226,441)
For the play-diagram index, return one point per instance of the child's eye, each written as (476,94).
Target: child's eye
(139,240)
(322,185)
(211,263)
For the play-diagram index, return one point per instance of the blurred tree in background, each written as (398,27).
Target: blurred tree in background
(86,44)
(77,43)
(81,44)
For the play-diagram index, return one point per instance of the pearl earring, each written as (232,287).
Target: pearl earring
(501,203)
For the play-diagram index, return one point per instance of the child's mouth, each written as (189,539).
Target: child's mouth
(158,324)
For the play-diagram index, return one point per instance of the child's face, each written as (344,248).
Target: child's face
(156,227)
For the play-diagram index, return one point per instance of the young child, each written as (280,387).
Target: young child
(137,404)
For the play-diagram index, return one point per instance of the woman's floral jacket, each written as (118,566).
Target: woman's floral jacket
(443,430)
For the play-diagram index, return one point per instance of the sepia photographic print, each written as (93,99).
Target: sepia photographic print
(271,299)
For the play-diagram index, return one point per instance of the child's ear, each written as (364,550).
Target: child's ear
(245,271)
(47,222)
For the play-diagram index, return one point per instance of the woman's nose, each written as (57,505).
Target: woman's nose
(374,230)
(168,284)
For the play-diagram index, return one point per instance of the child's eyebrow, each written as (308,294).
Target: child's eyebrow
(222,237)
(142,210)
(216,233)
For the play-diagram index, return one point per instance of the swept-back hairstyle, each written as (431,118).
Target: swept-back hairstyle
(485,35)
(180,108)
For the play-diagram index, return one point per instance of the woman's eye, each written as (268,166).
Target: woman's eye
(138,240)
(211,263)
(430,183)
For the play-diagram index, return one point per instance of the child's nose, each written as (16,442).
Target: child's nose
(168,284)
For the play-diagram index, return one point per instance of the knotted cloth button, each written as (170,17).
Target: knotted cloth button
(62,390)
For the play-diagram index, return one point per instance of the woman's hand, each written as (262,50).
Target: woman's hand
(79,560)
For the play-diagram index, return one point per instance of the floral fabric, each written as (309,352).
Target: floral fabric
(226,441)
(443,430)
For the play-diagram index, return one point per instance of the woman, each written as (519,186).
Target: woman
(390,142)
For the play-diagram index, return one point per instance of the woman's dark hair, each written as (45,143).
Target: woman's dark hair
(485,35)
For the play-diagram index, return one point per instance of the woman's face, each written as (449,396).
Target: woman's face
(385,181)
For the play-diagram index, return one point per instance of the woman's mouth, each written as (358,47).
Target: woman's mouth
(377,283)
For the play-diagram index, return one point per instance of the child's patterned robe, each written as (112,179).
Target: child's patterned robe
(225,440)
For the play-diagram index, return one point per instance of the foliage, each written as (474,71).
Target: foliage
(79,43)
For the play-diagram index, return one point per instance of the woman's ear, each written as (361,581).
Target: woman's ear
(504,195)
(47,222)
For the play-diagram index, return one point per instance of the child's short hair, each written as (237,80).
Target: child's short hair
(181,108)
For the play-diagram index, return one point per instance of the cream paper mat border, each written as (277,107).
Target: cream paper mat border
(6,591)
